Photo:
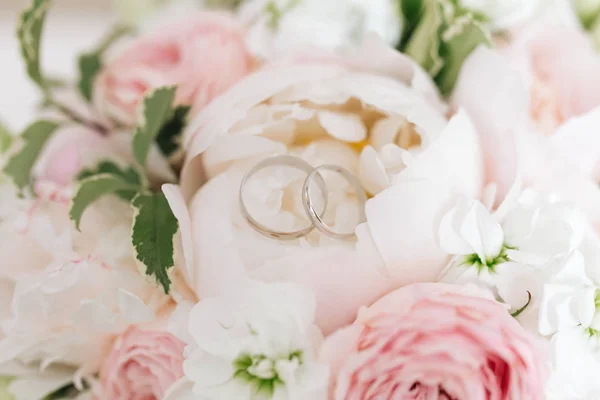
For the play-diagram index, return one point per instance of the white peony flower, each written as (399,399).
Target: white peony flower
(279,25)
(505,14)
(374,113)
(255,343)
(69,292)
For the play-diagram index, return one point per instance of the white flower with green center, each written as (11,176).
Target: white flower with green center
(471,232)
(513,253)
(256,343)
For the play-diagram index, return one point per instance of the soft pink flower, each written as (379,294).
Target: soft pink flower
(204,55)
(434,341)
(540,114)
(142,365)
(559,66)
(74,147)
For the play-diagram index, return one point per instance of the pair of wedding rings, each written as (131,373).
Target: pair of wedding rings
(315,217)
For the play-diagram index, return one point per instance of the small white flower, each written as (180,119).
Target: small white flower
(278,25)
(470,230)
(256,343)
(541,258)
(504,14)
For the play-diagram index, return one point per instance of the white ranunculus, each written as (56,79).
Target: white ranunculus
(280,25)
(256,342)
(504,14)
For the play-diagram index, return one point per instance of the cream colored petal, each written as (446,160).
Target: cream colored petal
(347,127)
(371,171)
(229,149)
(385,131)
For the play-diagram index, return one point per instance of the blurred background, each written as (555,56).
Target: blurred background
(72,26)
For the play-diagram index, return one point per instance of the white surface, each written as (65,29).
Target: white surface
(66,35)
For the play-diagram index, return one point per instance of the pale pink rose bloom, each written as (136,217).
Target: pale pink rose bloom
(435,341)
(204,55)
(141,365)
(317,109)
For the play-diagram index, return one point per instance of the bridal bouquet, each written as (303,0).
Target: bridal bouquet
(308,200)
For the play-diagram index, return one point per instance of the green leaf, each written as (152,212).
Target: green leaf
(169,137)
(130,175)
(6,138)
(153,229)
(411,11)
(92,189)
(34,138)
(89,66)
(442,37)
(156,109)
(424,43)
(90,63)
(463,36)
(29,34)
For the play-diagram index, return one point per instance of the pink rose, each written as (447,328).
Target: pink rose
(204,55)
(142,365)
(73,148)
(434,341)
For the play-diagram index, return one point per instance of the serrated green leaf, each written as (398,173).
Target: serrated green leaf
(154,227)
(155,110)
(130,174)
(6,138)
(92,189)
(34,138)
(168,139)
(89,66)
(29,34)
(90,63)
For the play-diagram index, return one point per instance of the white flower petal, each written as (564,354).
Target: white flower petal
(482,232)
(347,127)
(132,308)
(371,171)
